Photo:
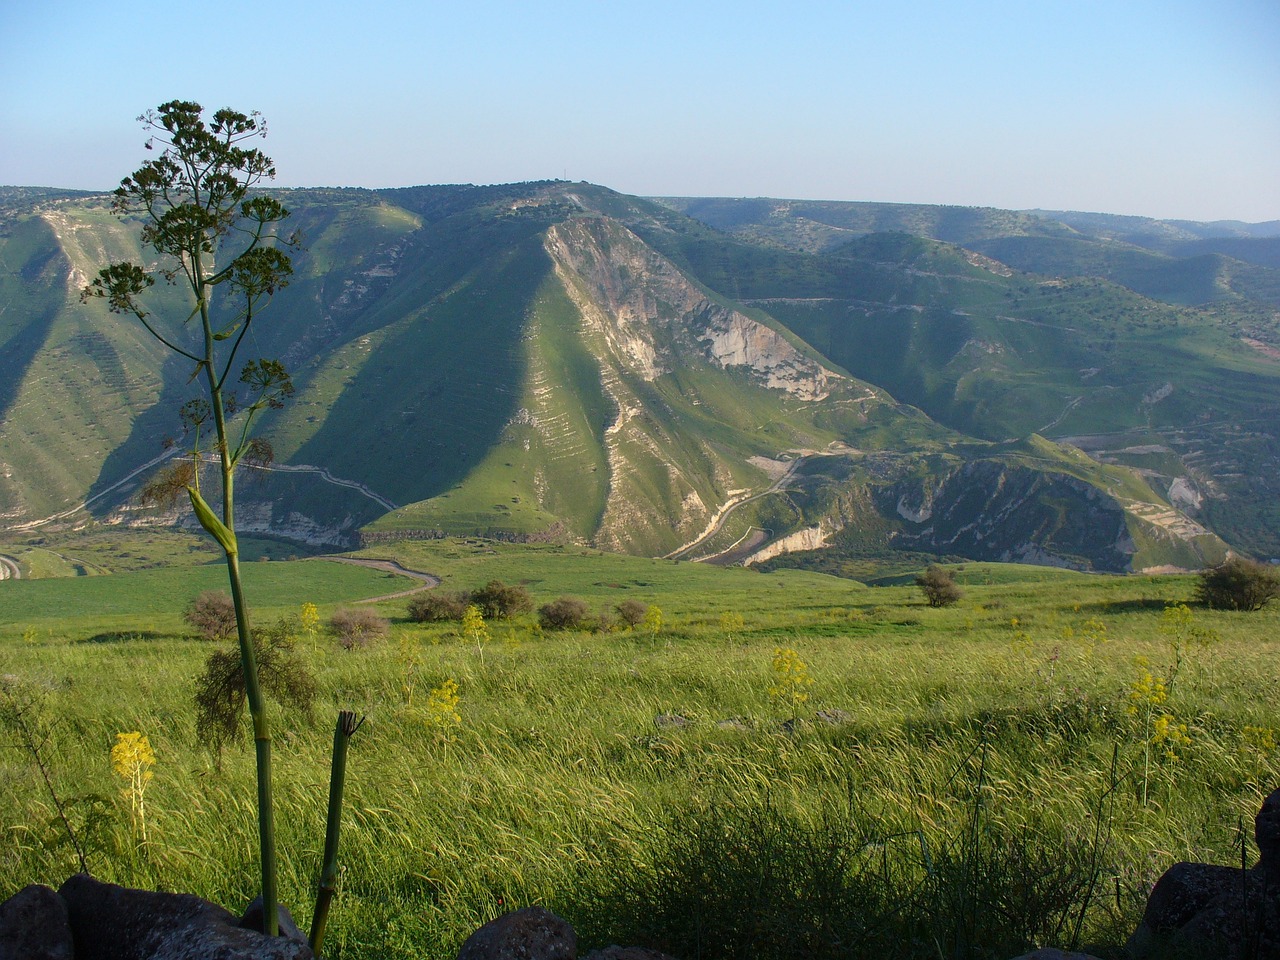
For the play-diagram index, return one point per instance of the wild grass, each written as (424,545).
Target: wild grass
(960,782)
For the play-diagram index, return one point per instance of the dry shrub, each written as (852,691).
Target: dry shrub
(220,690)
(358,627)
(212,615)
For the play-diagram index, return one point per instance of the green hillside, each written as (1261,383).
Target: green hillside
(556,361)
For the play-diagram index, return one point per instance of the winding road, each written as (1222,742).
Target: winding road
(429,580)
(9,569)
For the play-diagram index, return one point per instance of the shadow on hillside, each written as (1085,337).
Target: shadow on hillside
(123,636)
(1126,606)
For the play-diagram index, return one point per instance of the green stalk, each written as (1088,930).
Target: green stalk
(342,733)
(248,658)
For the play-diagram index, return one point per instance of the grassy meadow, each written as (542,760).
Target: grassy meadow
(788,765)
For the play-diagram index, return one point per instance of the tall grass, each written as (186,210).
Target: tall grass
(962,783)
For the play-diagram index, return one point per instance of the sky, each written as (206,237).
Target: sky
(1159,108)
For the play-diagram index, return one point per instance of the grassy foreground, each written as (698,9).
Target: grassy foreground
(1012,771)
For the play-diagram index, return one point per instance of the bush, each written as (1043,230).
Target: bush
(631,612)
(497,601)
(358,627)
(564,613)
(212,615)
(433,607)
(1239,584)
(220,693)
(938,586)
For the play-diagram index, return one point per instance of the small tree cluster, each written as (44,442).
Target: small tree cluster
(1239,584)
(938,586)
(212,615)
(436,607)
(495,599)
(358,627)
(564,613)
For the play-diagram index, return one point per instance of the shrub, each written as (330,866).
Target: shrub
(564,613)
(220,693)
(631,612)
(497,601)
(433,607)
(938,586)
(1239,584)
(212,615)
(357,627)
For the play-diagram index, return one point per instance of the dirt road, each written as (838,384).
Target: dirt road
(390,566)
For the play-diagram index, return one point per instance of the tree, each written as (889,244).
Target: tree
(563,613)
(211,234)
(497,601)
(1239,584)
(632,612)
(938,586)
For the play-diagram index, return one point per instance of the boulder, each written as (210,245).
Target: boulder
(109,922)
(254,914)
(34,926)
(1228,913)
(530,933)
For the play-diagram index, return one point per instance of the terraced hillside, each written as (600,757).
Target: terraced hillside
(558,361)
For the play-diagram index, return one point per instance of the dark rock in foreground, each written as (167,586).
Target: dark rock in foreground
(90,920)
(1227,913)
(33,926)
(530,933)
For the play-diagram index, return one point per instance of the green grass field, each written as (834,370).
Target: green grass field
(970,781)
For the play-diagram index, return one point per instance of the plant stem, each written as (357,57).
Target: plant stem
(342,733)
(248,657)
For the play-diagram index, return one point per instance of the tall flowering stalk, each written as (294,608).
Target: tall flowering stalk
(791,680)
(132,759)
(441,714)
(210,236)
(1148,694)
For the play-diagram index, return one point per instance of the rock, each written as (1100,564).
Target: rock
(530,933)
(253,916)
(834,716)
(627,953)
(1202,910)
(1266,832)
(116,923)
(668,720)
(33,926)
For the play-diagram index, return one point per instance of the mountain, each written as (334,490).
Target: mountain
(699,379)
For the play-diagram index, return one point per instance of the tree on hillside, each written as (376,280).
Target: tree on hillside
(1239,584)
(497,601)
(939,587)
(212,236)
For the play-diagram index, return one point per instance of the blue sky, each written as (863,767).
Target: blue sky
(1165,108)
